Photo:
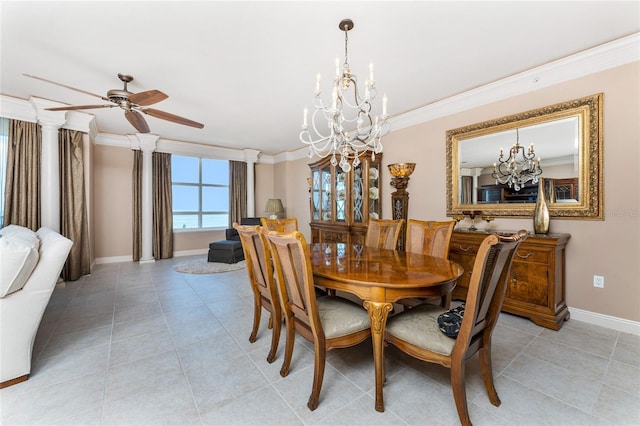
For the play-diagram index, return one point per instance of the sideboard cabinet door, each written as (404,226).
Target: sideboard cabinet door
(536,286)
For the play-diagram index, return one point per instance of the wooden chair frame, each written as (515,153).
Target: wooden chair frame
(429,237)
(383,233)
(280,225)
(265,294)
(484,300)
(300,306)
(432,238)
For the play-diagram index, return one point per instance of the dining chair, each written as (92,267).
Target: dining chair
(383,233)
(265,293)
(327,322)
(431,238)
(280,225)
(417,331)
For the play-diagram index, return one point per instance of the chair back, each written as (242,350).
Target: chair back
(294,278)
(383,233)
(429,237)
(487,288)
(257,257)
(280,225)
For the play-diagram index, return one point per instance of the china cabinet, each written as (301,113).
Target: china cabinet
(536,286)
(342,203)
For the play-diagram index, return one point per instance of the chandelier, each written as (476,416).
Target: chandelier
(345,126)
(516,171)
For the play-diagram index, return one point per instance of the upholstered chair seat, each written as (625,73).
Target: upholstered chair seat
(340,317)
(419,327)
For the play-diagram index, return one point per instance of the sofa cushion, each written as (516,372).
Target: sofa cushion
(18,257)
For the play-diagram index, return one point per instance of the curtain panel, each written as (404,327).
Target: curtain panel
(237,191)
(137,204)
(162,207)
(73,207)
(22,190)
(467,190)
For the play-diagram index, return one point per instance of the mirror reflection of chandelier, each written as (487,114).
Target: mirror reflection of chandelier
(345,127)
(519,168)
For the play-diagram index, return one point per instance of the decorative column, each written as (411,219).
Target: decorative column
(400,198)
(147,144)
(50,122)
(251,157)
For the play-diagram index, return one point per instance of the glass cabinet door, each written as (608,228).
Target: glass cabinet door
(374,190)
(326,194)
(315,195)
(341,195)
(358,194)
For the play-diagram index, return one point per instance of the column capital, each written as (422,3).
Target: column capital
(53,119)
(251,155)
(143,141)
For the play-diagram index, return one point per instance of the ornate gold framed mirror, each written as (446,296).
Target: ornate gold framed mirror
(568,141)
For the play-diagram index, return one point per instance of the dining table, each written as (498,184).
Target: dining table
(380,277)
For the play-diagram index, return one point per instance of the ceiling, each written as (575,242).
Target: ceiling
(246,70)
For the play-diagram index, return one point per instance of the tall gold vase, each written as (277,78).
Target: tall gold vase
(541,211)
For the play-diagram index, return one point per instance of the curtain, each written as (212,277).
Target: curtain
(162,206)
(237,191)
(73,207)
(466,190)
(22,190)
(137,205)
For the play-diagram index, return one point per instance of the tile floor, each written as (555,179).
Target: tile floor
(143,345)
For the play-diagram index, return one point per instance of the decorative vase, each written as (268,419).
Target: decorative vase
(541,211)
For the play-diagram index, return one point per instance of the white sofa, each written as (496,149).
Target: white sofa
(30,266)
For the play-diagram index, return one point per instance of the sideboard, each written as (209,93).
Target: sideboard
(536,286)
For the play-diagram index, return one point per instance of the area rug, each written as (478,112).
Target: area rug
(201,266)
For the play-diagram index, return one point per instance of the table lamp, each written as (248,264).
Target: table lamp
(274,206)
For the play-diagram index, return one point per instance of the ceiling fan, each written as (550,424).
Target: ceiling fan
(132,103)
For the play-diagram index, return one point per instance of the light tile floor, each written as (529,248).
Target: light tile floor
(139,344)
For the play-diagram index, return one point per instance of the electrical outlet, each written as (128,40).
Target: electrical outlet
(598,281)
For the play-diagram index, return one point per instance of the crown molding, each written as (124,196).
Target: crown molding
(610,55)
(33,110)
(17,109)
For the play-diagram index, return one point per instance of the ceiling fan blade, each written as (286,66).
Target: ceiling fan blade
(149,97)
(137,120)
(172,117)
(68,87)
(71,108)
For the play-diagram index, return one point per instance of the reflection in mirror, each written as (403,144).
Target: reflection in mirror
(566,138)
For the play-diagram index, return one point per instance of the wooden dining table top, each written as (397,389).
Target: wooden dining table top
(390,269)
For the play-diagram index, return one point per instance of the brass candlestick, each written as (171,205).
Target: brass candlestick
(472,215)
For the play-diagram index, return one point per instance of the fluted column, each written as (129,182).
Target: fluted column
(50,123)
(147,144)
(251,156)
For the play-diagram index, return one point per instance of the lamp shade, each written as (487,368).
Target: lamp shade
(274,206)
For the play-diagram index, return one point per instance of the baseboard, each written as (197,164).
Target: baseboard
(190,252)
(615,323)
(113,259)
(121,259)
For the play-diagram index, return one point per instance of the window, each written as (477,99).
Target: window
(200,191)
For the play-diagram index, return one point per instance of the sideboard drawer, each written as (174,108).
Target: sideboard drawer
(529,254)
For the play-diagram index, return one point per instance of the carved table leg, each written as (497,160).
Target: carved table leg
(378,312)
